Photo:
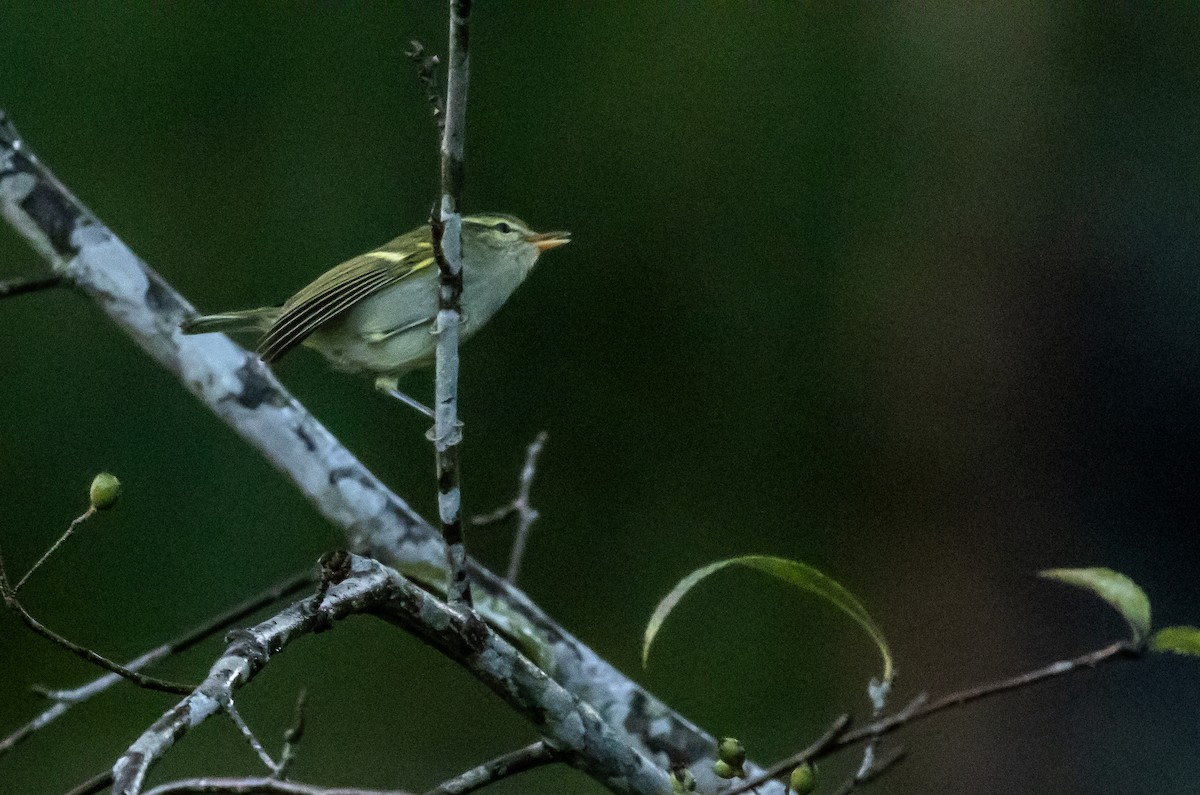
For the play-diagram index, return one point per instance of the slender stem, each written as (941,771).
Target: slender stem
(65,699)
(248,735)
(1119,650)
(446,226)
(871,772)
(526,513)
(837,737)
(510,764)
(428,76)
(89,513)
(141,680)
(93,785)
(29,284)
(292,737)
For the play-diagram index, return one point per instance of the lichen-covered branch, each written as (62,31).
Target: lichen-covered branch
(571,726)
(447,245)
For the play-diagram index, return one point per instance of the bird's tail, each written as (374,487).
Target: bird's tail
(243,320)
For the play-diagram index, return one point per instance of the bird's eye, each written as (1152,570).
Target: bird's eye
(503,228)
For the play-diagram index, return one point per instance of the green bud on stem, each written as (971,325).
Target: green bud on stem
(104,491)
(803,779)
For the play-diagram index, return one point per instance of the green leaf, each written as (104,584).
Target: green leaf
(1181,640)
(801,575)
(1115,588)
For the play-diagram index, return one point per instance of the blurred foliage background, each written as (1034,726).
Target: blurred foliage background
(907,291)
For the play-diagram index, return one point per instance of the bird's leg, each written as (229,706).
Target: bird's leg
(387,385)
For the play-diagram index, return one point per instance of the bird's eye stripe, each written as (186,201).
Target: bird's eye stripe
(503,227)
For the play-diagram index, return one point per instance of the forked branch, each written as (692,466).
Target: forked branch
(359,585)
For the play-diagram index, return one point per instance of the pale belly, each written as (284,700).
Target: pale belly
(391,333)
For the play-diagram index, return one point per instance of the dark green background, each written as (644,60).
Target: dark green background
(906,291)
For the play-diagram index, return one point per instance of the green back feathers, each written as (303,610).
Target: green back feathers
(343,286)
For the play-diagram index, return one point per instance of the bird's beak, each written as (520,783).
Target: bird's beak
(548,240)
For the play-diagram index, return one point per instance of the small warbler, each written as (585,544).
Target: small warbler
(375,313)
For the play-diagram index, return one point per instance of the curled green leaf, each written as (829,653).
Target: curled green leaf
(1115,588)
(1180,640)
(793,572)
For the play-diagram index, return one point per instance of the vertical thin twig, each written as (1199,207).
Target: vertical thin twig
(520,506)
(292,737)
(526,513)
(446,226)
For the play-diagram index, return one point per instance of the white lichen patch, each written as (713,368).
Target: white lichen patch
(201,706)
(107,265)
(209,364)
(366,499)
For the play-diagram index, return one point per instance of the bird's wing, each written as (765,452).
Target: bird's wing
(343,286)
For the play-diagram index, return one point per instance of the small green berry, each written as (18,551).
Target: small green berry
(104,491)
(682,780)
(804,779)
(731,751)
(723,769)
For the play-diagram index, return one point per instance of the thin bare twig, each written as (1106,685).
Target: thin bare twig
(65,699)
(1120,650)
(88,514)
(427,74)
(837,737)
(871,772)
(446,228)
(526,514)
(248,735)
(878,691)
(510,764)
(292,737)
(92,785)
(29,284)
(82,652)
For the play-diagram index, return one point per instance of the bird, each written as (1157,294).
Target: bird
(375,313)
